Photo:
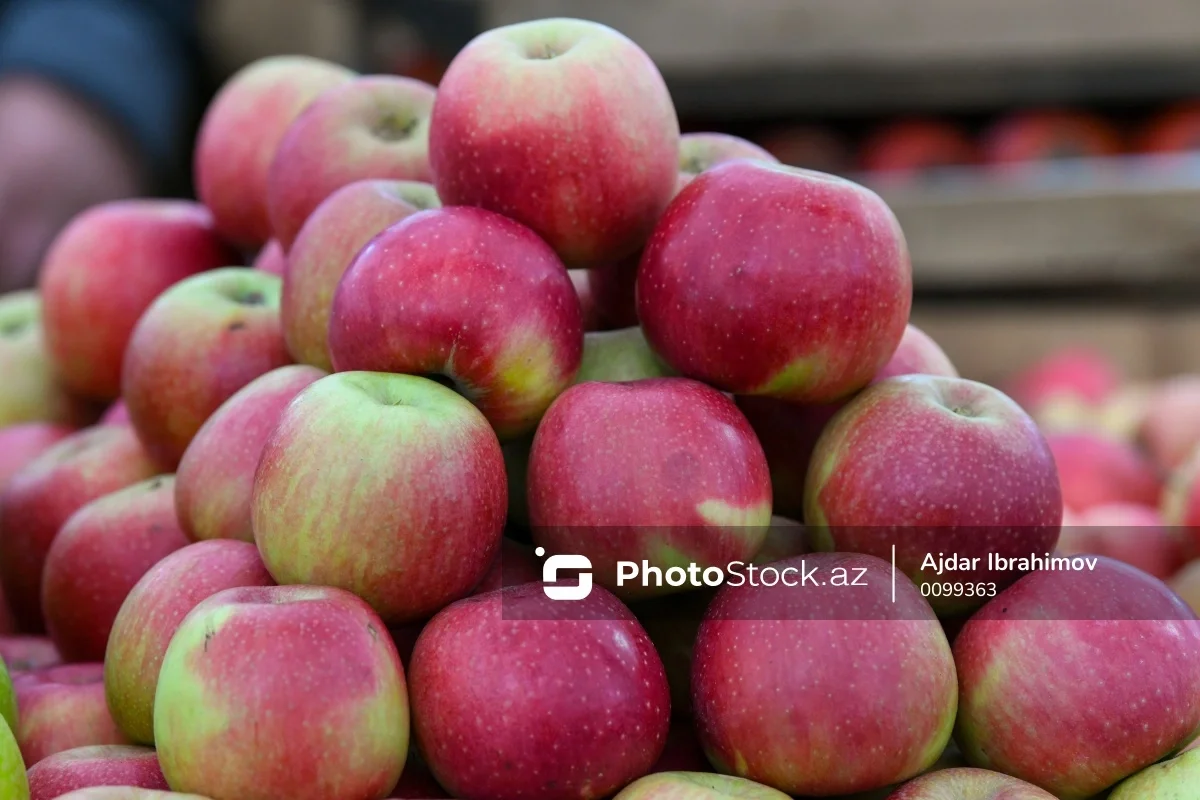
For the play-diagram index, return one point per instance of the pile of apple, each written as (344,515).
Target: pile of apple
(298,555)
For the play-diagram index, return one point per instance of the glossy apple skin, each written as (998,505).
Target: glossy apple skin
(733,298)
(373,127)
(241,132)
(702,151)
(102,273)
(32,391)
(681,478)
(271,258)
(215,478)
(696,786)
(1056,686)
(1134,534)
(101,765)
(152,613)
(995,490)
(62,708)
(237,712)
(1170,430)
(389,486)
(97,557)
(967,783)
(469,295)
(1174,779)
(197,344)
(543,660)
(324,248)
(563,125)
(21,444)
(780,696)
(41,497)
(1097,469)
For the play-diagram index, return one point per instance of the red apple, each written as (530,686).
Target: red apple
(1171,428)
(1096,469)
(781,298)
(102,273)
(1049,134)
(216,475)
(823,688)
(41,497)
(62,708)
(910,149)
(966,473)
(563,125)
(666,470)
(468,295)
(198,343)
(1074,372)
(699,152)
(21,444)
(585,700)
(25,653)
(390,486)
(271,258)
(101,765)
(1134,534)
(241,132)
(1175,130)
(324,248)
(965,783)
(151,614)
(693,785)
(808,146)
(32,392)
(295,691)
(126,793)
(372,127)
(1073,680)
(917,354)
(98,556)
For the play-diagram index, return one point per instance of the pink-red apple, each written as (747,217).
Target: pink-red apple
(103,272)
(374,127)
(62,708)
(564,125)
(1041,135)
(909,150)
(1171,428)
(966,473)
(41,497)
(696,785)
(241,132)
(1075,372)
(389,486)
(1075,679)
(699,152)
(21,444)
(98,556)
(295,691)
(585,701)
(1134,534)
(215,478)
(470,296)
(784,297)
(967,783)
(127,793)
(151,614)
(100,765)
(665,470)
(197,344)
(824,687)
(335,233)
(1097,469)
(271,258)
(32,391)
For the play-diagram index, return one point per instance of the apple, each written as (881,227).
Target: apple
(1123,413)
(514,565)
(197,344)
(729,298)
(242,130)
(32,391)
(1171,428)
(389,486)
(99,765)
(296,691)
(910,150)
(1097,469)
(1054,665)
(1174,779)
(102,273)
(1049,134)
(665,470)
(153,611)
(13,783)
(585,701)
(699,152)
(1174,130)
(1181,502)
(696,786)
(337,230)
(62,708)
(1076,372)
(97,557)
(966,473)
(917,354)
(25,653)
(563,125)
(470,296)
(612,288)
(373,127)
(215,478)
(41,497)
(824,688)
(126,793)
(966,783)
(619,356)
(1134,534)
(271,258)
(21,444)
(809,146)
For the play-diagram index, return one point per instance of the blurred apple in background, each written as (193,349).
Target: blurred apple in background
(1075,372)
(1044,135)
(808,147)
(271,258)
(1135,534)
(1170,430)
(62,708)
(1096,469)
(32,391)
(374,127)
(1174,130)
(20,444)
(914,150)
